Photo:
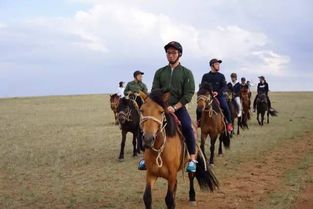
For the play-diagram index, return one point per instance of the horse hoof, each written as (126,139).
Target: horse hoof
(220,155)
(121,159)
(193,203)
(211,165)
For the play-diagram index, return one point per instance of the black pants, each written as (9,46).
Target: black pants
(184,117)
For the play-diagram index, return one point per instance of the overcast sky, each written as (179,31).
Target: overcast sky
(88,46)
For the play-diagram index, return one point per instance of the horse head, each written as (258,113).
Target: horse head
(124,109)
(154,117)
(114,100)
(263,98)
(204,96)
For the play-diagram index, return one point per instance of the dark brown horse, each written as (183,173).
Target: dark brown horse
(245,96)
(114,100)
(234,110)
(262,108)
(165,152)
(212,121)
(129,119)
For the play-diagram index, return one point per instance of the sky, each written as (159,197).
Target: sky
(87,46)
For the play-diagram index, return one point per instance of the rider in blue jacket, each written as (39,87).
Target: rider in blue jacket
(218,83)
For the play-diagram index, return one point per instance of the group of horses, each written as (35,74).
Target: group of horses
(158,133)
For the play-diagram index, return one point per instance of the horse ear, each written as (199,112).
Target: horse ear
(166,96)
(143,95)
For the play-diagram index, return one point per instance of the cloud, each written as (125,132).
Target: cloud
(119,36)
(2,25)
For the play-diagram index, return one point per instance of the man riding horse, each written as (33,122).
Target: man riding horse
(180,82)
(218,83)
(136,86)
(262,89)
(234,87)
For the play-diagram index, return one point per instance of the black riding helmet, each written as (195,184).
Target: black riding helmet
(175,45)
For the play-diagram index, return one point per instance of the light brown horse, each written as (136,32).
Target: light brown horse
(245,96)
(165,154)
(212,121)
(114,100)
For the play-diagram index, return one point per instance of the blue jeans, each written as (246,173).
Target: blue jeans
(225,108)
(184,117)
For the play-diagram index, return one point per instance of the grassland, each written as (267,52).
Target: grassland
(61,152)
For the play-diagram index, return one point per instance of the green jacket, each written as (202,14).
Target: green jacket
(135,87)
(180,82)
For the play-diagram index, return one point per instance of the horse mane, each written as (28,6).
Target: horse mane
(206,88)
(157,97)
(124,102)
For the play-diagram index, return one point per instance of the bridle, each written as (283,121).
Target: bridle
(162,124)
(208,104)
(125,115)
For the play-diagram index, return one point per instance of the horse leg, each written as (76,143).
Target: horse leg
(147,196)
(121,157)
(171,190)
(139,141)
(238,125)
(262,118)
(134,144)
(212,147)
(192,193)
(220,149)
(268,115)
(258,118)
(203,138)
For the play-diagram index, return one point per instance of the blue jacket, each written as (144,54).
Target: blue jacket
(235,89)
(216,80)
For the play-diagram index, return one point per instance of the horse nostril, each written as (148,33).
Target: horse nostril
(148,140)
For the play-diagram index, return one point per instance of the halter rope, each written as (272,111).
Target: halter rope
(158,159)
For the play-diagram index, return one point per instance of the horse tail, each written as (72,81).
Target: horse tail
(225,138)
(204,174)
(273,112)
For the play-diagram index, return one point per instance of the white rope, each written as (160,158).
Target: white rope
(158,159)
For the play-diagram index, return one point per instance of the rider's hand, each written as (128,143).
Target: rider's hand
(215,93)
(170,109)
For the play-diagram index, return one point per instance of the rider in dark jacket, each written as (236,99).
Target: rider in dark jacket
(218,83)
(235,87)
(262,89)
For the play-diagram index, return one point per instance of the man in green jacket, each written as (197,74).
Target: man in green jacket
(136,86)
(179,80)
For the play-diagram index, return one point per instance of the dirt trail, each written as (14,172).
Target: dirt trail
(257,179)
(305,199)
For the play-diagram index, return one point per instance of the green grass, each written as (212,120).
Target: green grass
(293,183)
(61,152)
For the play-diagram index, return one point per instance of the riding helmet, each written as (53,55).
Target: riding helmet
(233,75)
(175,45)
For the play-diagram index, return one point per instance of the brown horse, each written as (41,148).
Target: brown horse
(245,96)
(212,121)
(165,152)
(234,110)
(114,100)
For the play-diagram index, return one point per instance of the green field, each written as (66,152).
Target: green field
(61,152)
